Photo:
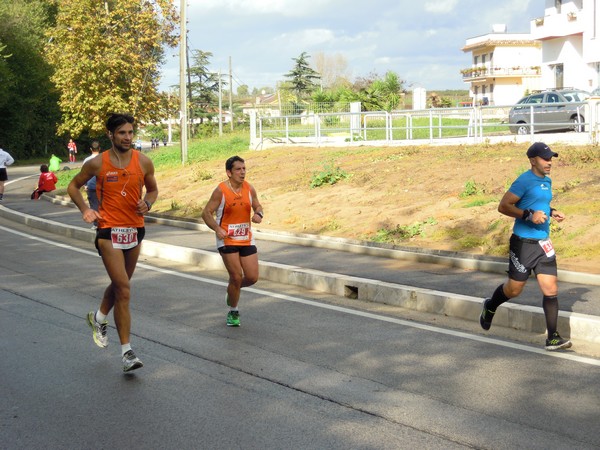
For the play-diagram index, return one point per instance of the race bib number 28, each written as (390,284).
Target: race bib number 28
(124,238)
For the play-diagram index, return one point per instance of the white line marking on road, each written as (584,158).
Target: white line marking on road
(19,179)
(406,323)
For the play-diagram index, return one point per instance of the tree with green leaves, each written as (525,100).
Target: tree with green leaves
(302,78)
(377,94)
(107,55)
(243,90)
(28,100)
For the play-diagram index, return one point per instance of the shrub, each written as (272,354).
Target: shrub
(329,175)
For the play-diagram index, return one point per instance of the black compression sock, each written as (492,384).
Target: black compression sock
(497,298)
(550,305)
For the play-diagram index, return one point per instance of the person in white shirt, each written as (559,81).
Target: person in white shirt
(5,160)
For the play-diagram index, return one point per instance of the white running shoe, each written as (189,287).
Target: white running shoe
(131,362)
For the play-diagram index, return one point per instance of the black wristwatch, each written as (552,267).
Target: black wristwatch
(260,214)
(148,204)
(527,214)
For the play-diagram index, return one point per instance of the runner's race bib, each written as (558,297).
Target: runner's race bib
(547,247)
(238,231)
(124,238)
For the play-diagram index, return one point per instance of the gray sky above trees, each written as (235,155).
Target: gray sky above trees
(420,41)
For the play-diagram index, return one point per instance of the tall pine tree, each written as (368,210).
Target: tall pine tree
(302,78)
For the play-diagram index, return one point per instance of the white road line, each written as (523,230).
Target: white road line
(19,179)
(405,323)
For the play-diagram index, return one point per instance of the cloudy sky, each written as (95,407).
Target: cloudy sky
(419,40)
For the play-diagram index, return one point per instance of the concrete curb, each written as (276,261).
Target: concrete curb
(441,257)
(528,318)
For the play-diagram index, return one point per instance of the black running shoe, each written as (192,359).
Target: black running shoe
(557,343)
(487,315)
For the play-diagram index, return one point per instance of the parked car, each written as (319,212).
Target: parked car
(553,110)
(575,95)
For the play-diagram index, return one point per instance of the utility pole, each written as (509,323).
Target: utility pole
(182,86)
(230,95)
(220,106)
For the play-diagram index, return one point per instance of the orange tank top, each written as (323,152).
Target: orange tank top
(233,215)
(118,192)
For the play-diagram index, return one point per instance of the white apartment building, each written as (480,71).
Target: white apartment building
(561,50)
(570,35)
(504,66)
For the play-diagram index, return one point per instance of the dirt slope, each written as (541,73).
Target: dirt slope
(428,197)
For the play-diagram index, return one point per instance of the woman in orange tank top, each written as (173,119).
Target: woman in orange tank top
(232,202)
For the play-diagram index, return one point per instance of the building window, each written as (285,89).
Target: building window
(558,76)
(558,5)
(475,60)
(483,59)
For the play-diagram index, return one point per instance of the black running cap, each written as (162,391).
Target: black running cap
(542,150)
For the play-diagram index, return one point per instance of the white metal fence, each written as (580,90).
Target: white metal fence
(442,125)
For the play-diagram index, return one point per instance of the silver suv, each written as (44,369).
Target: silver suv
(554,110)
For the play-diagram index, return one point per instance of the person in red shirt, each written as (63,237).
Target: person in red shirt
(72,150)
(46,182)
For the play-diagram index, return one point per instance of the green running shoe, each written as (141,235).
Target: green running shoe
(233,319)
(98,330)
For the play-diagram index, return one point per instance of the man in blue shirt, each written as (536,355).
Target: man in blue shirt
(528,201)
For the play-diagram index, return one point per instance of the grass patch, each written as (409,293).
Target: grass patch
(403,232)
(65,177)
(200,150)
(480,201)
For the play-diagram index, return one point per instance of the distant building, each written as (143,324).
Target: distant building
(570,36)
(504,66)
(562,50)
(264,105)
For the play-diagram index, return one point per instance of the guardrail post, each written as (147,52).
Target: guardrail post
(594,105)
(253,128)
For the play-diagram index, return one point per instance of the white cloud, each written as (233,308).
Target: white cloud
(308,37)
(289,8)
(441,6)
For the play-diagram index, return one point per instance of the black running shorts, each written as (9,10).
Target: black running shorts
(104,233)
(527,255)
(243,250)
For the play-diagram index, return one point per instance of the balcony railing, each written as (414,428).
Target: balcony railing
(485,72)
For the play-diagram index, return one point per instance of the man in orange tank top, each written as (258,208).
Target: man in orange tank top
(121,175)
(235,204)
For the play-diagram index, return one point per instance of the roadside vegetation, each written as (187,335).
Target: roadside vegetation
(443,198)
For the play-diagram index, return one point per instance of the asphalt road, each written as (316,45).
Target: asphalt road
(301,372)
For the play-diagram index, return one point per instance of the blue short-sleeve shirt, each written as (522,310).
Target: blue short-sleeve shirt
(535,193)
